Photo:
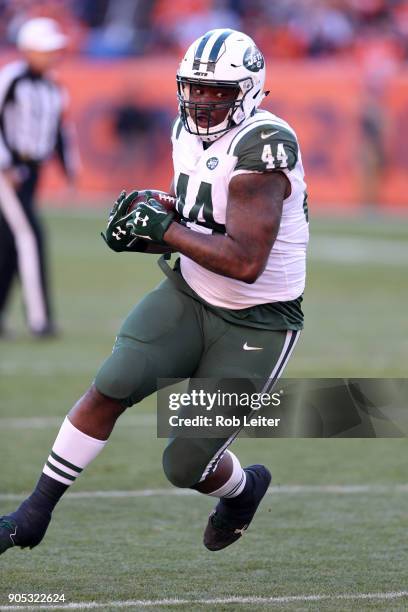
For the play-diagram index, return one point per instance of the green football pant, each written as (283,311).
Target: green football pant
(169,334)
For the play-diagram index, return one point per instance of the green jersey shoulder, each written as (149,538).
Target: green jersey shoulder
(265,143)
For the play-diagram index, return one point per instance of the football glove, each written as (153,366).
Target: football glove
(118,236)
(149,220)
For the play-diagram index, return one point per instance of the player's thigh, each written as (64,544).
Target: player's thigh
(160,338)
(248,353)
(244,360)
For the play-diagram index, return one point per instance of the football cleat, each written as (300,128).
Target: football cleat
(25,527)
(8,531)
(227,524)
(49,331)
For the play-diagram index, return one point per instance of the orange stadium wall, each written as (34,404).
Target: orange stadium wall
(324,103)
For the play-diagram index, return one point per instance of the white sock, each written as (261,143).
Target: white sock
(71,453)
(236,482)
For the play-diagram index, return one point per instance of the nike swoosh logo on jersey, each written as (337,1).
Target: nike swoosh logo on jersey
(265,135)
(252,348)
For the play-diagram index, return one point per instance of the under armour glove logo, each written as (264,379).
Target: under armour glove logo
(119,232)
(143,220)
(149,220)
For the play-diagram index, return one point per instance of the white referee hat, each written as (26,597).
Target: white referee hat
(41,34)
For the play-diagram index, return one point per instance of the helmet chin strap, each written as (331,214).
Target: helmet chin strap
(210,137)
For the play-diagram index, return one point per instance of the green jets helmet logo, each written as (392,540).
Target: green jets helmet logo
(212,163)
(253,59)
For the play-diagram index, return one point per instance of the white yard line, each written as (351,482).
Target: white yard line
(52,422)
(275,490)
(151,603)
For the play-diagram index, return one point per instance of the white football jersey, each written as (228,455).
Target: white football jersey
(261,143)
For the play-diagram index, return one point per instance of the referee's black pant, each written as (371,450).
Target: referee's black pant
(23,253)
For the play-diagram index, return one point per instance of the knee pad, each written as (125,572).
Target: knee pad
(184,461)
(123,376)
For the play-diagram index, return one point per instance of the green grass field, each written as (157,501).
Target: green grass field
(333,528)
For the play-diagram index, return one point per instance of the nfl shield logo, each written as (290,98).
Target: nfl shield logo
(212,163)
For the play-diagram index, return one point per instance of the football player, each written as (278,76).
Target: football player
(231,306)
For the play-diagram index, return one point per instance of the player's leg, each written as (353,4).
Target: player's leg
(240,490)
(8,268)
(72,451)
(216,471)
(15,212)
(161,337)
(48,329)
(39,274)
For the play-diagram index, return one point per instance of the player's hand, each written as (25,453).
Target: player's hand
(118,235)
(149,220)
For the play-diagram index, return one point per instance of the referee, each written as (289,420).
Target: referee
(32,128)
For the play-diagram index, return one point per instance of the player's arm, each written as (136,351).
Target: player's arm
(254,211)
(152,249)
(67,151)
(6,157)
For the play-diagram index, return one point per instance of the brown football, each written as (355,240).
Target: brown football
(167,200)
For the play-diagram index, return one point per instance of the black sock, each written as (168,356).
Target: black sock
(241,502)
(46,494)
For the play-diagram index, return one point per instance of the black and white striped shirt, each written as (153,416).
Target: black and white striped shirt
(31,110)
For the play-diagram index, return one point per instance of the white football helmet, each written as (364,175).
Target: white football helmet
(225,58)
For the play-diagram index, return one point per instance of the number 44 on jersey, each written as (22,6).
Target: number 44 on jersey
(271,161)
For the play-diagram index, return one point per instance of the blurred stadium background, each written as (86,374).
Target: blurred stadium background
(338,72)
